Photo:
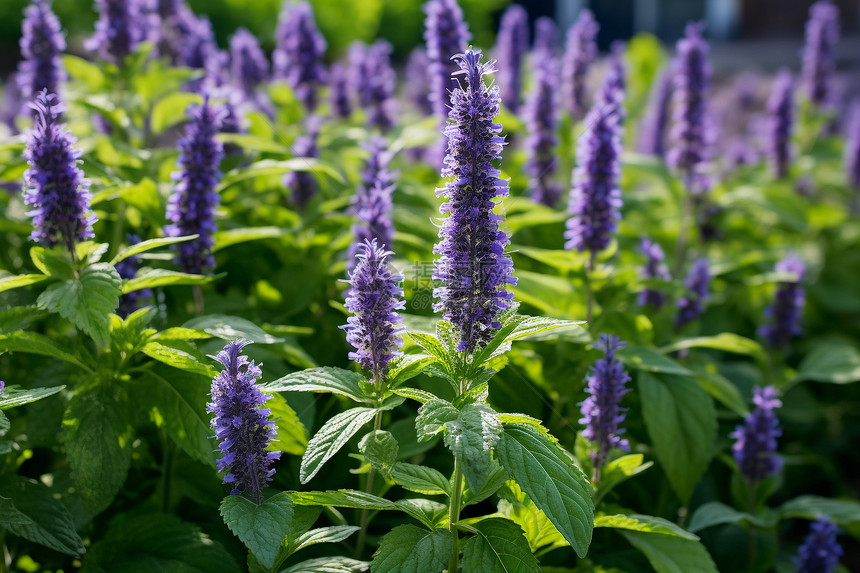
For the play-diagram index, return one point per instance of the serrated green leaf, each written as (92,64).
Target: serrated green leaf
(619,470)
(149,245)
(498,547)
(13,396)
(333,534)
(670,554)
(537,528)
(262,528)
(646,523)
(426,511)
(231,328)
(380,450)
(432,418)
(405,367)
(410,549)
(415,394)
(498,477)
(835,361)
(230,237)
(722,389)
(12,282)
(291,437)
(331,437)
(179,355)
(28,509)
(56,262)
(725,341)
(324,379)
(842,512)
(682,424)
(552,481)
(420,479)
(18,318)
(170,110)
(154,278)
(471,437)
(329,565)
(341,498)
(35,343)
(268,167)
(433,347)
(649,360)
(716,513)
(87,302)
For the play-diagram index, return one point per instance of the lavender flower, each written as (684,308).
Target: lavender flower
(418,87)
(755,440)
(192,206)
(546,36)
(177,21)
(740,152)
(595,199)
(302,184)
(580,53)
(249,65)
(298,55)
(242,427)
(42,43)
(338,82)
(780,110)
(819,53)
(614,86)
(654,269)
(127,269)
(600,411)
(374,81)
(54,185)
(512,43)
(787,309)
(652,134)
(2,386)
(820,551)
(445,34)
(199,49)
(473,269)
(852,147)
(121,26)
(542,122)
(690,129)
(373,201)
(373,298)
(690,307)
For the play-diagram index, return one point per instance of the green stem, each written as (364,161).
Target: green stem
(589,291)
(197,290)
(167,474)
(454,514)
(4,554)
(683,225)
(753,538)
(365,513)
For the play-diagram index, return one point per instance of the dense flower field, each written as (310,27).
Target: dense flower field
(510,308)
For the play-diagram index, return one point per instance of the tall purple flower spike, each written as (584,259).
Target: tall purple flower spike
(542,122)
(780,111)
(473,269)
(579,54)
(691,305)
(373,202)
(191,209)
(785,313)
(820,551)
(546,36)
(756,439)
(445,34)
(242,427)
(121,26)
(41,43)
(652,134)
(601,413)
(374,82)
(852,147)
(339,90)
(819,52)
(419,85)
(54,185)
(248,63)
(373,299)
(690,130)
(512,44)
(654,269)
(302,184)
(299,52)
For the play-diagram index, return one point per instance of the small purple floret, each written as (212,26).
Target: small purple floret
(512,44)
(655,270)
(42,43)
(691,306)
(756,439)
(580,53)
(299,52)
(785,313)
(820,551)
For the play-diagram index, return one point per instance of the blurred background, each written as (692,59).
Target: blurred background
(761,33)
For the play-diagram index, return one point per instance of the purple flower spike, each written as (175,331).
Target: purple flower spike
(580,53)
(302,184)
(601,414)
(652,135)
(542,122)
(691,140)
(299,52)
(512,43)
(127,269)
(373,201)
(654,269)
(192,206)
(248,63)
(338,83)
(373,299)
(819,52)
(820,551)
(242,427)
(780,110)
(375,81)
(852,147)
(595,199)
(546,36)
(42,43)
(121,26)
(787,309)
(473,268)
(690,307)
(755,440)
(445,34)
(177,21)
(54,185)
(419,86)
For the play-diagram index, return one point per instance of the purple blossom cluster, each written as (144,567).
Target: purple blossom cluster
(785,313)
(546,36)
(191,209)
(242,427)
(755,444)
(373,202)
(302,185)
(512,44)
(122,25)
(819,52)
(652,132)
(780,111)
(339,89)
(654,270)
(299,52)
(580,53)
(542,121)
(419,86)
(614,86)
(473,269)
(820,551)
(445,34)
(697,283)
(54,185)
(374,82)
(41,43)
(248,63)
(127,269)
(852,147)
(373,299)
(601,413)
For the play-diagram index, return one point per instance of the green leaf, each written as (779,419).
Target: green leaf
(230,237)
(56,262)
(268,167)
(179,355)
(410,549)
(552,481)
(380,450)
(149,245)
(8,283)
(13,396)
(722,389)
(471,437)
(153,278)
(334,534)
(231,328)
(619,470)
(842,512)
(725,341)
(538,529)
(171,110)
(85,72)
(649,360)
(328,565)
(498,477)
(407,366)
(17,318)
(836,362)
(341,498)
(325,379)
(415,394)
(262,528)
(682,424)
(433,347)
(35,343)
(98,433)
(291,437)
(645,523)
(331,437)
(432,418)
(28,509)
(670,554)
(498,547)
(420,479)
(716,513)
(431,513)
(87,302)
